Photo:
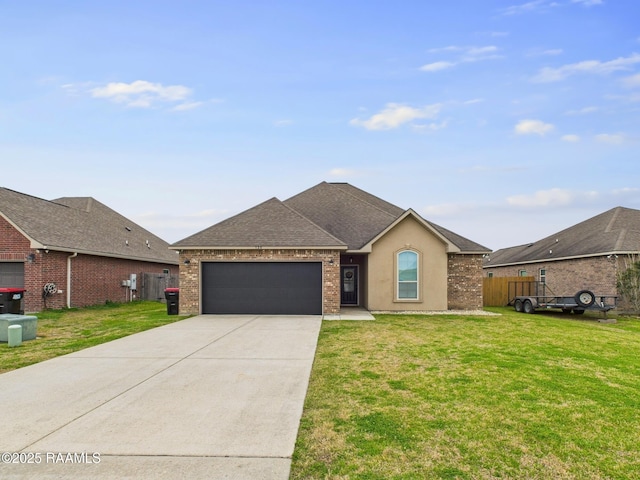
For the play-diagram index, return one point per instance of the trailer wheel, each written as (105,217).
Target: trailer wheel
(518,306)
(585,298)
(528,307)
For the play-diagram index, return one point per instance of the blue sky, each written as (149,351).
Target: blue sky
(504,121)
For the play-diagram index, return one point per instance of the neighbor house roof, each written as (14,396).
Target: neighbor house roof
(336,215)
(616,231)
(83,225)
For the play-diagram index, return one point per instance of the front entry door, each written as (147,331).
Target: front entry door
(349,285)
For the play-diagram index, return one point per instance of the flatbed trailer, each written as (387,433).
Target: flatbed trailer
(578,303)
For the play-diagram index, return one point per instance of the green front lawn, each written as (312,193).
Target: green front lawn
(473,397)
(64,331)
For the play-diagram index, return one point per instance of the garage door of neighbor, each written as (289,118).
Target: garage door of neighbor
(12,274)
(282,288)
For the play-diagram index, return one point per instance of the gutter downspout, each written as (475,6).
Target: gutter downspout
(69,278)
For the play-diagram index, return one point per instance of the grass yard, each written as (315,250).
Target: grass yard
(473,397)
(65,331)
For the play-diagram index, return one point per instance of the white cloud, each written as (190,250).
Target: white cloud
(529,127)
(481,51)
(282,123)
(436,66)
(571,138)
(429,127)
(611,138)
(542,198)
(632,82)
(548,74)
(187,106)
(588,3)
(467,54)
(394,115)
(625,191)
(535,5)
(547,52)
(582,111)
(543,6)
(141,93)
(450,48)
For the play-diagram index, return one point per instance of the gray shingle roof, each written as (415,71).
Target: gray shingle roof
(328,214)
(83,225)
(346,212)
(464,244)
(269,224)
(614,231)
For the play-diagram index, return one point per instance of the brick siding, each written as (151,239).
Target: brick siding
(190,273)
(464,290)
(567,277)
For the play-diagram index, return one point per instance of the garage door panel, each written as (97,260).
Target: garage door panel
(12,274)
(262,288)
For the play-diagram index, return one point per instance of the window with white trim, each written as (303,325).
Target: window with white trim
(407,263)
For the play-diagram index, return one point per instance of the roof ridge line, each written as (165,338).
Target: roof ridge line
(310,221)
(33,196)
(367,202)
(614,217)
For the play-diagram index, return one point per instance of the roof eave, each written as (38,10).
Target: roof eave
(257,247)
(555,259)
(81,251)
(32,241)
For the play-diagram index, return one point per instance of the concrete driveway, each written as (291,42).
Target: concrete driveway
(215,397)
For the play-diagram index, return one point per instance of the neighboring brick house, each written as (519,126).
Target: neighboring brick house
(332,245)
(588,255)
(80,246)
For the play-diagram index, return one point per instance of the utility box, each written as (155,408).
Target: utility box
(11,300)
(28,323)
(173,296)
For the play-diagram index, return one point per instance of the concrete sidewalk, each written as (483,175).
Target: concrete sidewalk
(215,397)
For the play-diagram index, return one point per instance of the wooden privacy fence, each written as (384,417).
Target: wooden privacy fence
(151,285)
(498,291)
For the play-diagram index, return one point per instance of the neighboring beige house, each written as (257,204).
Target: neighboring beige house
(332,245)
(588,255)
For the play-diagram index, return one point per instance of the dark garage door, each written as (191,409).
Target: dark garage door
(283,288)
(12,274)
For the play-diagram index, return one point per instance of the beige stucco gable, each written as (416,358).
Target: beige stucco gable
(451,247)
(409,232)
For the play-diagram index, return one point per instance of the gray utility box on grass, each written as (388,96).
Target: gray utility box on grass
(28,323)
